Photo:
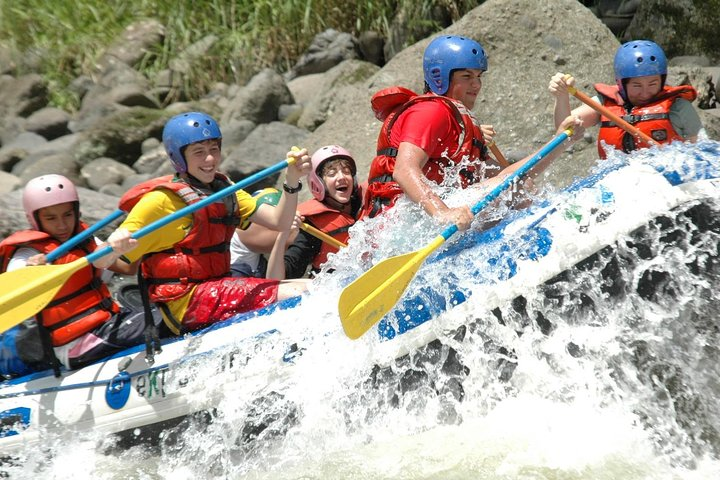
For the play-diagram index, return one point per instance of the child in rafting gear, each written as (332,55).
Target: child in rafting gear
(426,137)
(185,265)
(640,96)
(83,323)
(250,247)
(334,208)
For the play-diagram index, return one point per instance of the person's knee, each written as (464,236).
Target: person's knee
(291,288)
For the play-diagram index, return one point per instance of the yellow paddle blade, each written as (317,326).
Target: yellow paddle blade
(366,300)
(26,291)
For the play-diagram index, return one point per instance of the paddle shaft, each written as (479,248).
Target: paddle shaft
(322,235)
(498,155)
(82,236)
(197,206)
(26,291)
(604,111)
(512,178)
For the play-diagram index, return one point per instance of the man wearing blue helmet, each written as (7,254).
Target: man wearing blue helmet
(186,264)
(435,136)
(640,97)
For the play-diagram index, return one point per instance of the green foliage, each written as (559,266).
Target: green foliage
(68,37)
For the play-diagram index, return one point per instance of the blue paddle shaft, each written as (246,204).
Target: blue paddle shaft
(519,173)
(197,206)
(82,236)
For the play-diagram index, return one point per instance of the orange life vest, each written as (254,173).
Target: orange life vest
(388,104)
(652,119)
(203,254)
(328,220)
(84,301)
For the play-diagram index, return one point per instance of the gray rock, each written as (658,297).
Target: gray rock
(256,152)
(689,61)
(321,106)
(699,78)
(326,50)
(135,179)
(371,46)
(306,87)
(104,171)
(11,156)
(234,133)
(13,217)
(132,95)
(120,135)
(60,163)
(259,100)
(151,160)
(669,23)
(290,113)
(49,122)
(149,144)
(18,148)
(112,189)
(8,182)
(23,95)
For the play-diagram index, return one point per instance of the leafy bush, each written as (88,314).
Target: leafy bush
(67,37)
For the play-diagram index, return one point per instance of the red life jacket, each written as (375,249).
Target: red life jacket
(84,301)
(203,254)
(652,119)
(388,104)
(328,220)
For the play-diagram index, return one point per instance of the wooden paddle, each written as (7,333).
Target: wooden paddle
(498,155)
(366,300)
(319,234)
(604,111)
(26,291)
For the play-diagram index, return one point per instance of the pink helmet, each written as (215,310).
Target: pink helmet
(46,191)
(321,155)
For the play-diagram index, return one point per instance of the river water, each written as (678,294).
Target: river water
(608,371)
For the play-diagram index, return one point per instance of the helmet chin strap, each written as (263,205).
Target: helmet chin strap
(344,207)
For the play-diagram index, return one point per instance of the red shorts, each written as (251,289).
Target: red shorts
(218,300)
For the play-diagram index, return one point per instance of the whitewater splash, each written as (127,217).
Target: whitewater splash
(608,370)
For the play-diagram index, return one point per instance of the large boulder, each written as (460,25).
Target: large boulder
(322,105)
(260,100)
(669,23)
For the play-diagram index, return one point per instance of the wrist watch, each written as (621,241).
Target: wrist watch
(289,189)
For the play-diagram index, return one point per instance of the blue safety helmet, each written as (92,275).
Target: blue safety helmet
(447,53)
(185,129)
(639,58)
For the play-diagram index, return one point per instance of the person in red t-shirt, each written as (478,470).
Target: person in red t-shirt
(436,136)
